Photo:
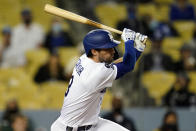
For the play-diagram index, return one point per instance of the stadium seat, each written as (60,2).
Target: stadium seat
(23,92)
(158,83)
(192,86)
(2,103)
(7,7)
(14,77)
(193,2)
(37,7)
(171,46)
(36,58)
(40,16)
(30,104)
(107,100)
(39,56)
(110,14)
(146,9)
(55,92)
(17,85)
(66,54)
(185,29)
(162,13)
(26,97)
(168,2)
(2,87)
(2,94)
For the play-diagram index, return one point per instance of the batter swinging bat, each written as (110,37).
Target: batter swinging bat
(72,16)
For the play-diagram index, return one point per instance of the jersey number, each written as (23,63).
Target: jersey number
(70,83)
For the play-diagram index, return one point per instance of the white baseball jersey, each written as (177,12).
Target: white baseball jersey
(84,96)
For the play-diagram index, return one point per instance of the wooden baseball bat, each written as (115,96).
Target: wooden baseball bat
(72,16)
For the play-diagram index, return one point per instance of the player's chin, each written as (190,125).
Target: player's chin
(109,61)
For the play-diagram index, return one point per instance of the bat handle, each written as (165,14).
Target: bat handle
(98,25)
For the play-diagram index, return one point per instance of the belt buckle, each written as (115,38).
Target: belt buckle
(88,127)
(84,128)
(69,128)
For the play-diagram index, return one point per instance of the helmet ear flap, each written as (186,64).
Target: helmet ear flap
(116,55)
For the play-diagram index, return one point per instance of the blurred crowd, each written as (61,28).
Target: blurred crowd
(13,119)
(29,35)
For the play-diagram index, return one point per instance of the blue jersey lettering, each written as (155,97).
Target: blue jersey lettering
(79,67)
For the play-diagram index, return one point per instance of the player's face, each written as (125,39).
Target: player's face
(106,55)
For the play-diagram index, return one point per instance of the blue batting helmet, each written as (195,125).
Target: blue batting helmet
(99,39)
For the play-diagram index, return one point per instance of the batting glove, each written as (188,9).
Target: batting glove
(128,35)
(140,42)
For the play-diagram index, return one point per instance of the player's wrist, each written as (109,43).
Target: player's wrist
(130,43)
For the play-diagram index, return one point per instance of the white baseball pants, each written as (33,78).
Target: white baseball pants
(102,125)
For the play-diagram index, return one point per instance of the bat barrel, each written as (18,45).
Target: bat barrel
(74,17)
(63,13)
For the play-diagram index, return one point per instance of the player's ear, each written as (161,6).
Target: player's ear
(94,52)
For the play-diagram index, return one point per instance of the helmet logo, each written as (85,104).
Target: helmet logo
(111,37)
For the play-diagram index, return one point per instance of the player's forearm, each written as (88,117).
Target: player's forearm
(129,59)
(138,54)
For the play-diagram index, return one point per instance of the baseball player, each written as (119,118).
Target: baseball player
(92,75)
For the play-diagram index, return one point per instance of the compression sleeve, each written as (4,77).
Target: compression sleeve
(138,53)
(129,59)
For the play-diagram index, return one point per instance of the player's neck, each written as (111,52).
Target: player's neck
(95,59)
